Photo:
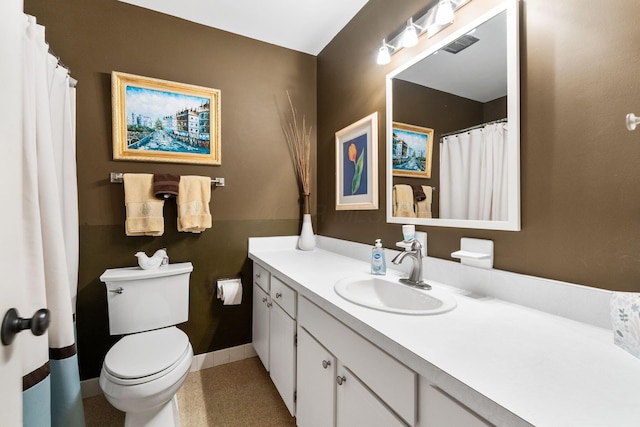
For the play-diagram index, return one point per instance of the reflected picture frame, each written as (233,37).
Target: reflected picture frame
(157,120)
(357,165)
(411,151)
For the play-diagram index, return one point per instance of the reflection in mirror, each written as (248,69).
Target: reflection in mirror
(453,129)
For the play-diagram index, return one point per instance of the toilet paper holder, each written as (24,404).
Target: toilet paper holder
(229,290)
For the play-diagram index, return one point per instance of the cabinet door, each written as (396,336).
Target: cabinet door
(316,381)
(438,409)
(260,324)
(356,405)
(282,355)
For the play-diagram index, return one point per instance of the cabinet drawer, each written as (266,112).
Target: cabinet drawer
(261,277)
(390,380)
(284,296)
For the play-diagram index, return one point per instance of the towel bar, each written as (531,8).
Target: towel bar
(116,178)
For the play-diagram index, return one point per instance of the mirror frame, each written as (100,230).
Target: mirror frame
(513,113)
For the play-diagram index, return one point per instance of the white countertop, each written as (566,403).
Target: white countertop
(545,369)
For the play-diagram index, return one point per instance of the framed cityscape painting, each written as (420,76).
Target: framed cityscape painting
(412,150)
(357,165)
(161,121)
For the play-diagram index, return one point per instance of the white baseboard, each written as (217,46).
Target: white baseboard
(91,387)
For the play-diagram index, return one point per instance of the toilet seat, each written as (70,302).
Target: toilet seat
(146,356)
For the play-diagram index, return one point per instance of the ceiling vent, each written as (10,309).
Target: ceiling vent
(460,44)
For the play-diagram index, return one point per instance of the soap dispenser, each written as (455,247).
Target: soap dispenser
(378,262)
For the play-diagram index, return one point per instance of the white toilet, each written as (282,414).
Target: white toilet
(142,372)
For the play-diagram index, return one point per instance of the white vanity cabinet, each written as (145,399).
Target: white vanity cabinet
(282,347)
(362,385)
(357,405)
(274,331)
(260,324)
(316,383)
(438,409)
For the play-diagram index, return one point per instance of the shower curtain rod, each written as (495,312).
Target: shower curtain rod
(60,63)
(72,82)
(474,127)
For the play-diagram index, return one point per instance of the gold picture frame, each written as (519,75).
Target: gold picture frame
(162,121)
(412,150)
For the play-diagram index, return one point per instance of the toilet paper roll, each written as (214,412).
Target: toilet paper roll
(230,291)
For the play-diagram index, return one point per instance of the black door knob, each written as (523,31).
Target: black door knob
(13,323)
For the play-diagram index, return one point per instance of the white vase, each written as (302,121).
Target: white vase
(307,240)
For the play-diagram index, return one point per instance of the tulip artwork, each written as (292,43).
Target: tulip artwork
(358,166)
(354,166)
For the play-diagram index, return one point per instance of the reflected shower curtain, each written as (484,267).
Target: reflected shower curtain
(51,382)
(473,168)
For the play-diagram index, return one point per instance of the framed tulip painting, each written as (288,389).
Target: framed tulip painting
(357,165)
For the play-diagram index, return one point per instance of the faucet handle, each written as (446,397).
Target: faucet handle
(415,245)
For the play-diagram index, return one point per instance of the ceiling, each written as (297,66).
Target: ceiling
(303,25)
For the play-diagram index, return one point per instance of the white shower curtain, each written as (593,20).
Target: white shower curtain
(51,383)
(473,174)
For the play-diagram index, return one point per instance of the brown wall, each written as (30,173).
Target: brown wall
(495,110)
(580,180)
(260,197)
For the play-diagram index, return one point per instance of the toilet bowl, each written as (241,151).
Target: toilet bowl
(143,371)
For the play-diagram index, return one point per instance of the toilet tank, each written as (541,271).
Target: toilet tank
(140,300)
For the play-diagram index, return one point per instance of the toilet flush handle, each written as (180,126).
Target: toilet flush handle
(117,291)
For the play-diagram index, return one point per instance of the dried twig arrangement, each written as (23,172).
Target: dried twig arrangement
(299,142)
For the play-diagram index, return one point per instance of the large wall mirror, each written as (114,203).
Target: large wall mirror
(453,129)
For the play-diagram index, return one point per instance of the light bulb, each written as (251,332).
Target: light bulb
(384,56)
(410,36)
(444,14)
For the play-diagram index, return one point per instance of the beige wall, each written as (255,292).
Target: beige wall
(580,175)
(260,197)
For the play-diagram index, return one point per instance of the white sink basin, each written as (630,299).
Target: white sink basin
(386,294)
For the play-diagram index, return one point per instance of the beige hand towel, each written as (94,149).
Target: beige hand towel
(143,210)
(402,195)
(423,207)
(194,195)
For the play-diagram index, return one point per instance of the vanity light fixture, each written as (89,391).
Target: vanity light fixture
(384,55)
(410,35)
(444,14)
(431,22)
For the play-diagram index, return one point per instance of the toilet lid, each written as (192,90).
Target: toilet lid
(146,353)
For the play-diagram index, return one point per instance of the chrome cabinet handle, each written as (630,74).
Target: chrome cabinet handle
(264,299)
(117,291)
(326,364)
(12,324)
(258,275)
(278,294)
(269,304)
(341,380)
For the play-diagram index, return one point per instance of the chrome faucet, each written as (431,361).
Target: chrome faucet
(415,276)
